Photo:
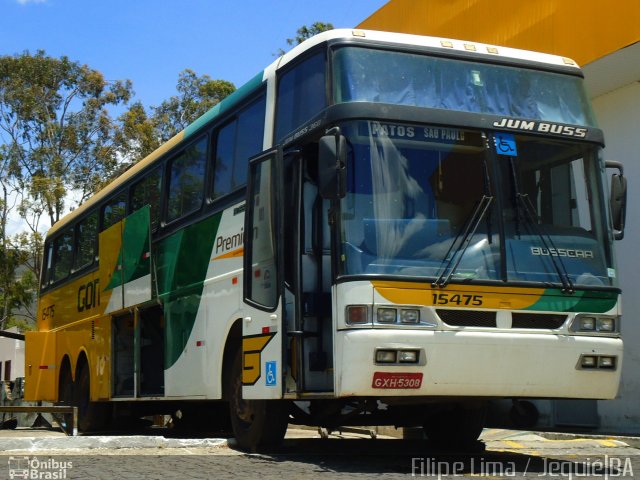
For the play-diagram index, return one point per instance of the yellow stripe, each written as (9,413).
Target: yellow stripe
(513,444)
(239,252)
(408,293)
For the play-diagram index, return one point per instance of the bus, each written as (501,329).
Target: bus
(378,229)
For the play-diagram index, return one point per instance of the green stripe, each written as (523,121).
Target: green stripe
(182,264)
(580,301)
(226,104)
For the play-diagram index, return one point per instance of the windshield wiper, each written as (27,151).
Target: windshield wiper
(469,231)
(523,201)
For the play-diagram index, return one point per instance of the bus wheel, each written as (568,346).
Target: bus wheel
(458,427)
(65,395)
(91,415)
(255,423)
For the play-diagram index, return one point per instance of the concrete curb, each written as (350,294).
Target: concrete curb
(111,442)
(632,441)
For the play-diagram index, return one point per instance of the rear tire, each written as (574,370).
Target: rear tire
(458,427)
(256,423)
(65,395)
(91,415)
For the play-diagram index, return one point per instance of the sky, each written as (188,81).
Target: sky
(150,42)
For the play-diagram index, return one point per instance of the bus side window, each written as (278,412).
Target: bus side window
(186,181)
(147,192)
(86,245)
(301,94)
(62,256)
(236,142)
(114,211)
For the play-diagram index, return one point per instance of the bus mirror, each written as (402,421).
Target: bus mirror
(332,153)
(618,199)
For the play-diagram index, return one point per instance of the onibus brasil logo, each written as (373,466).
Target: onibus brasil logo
(35,468)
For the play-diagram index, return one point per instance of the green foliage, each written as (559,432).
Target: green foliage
(305,32)
(143,133)
(18,281)
(55,127)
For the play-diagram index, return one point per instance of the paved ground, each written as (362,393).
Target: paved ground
(500,454)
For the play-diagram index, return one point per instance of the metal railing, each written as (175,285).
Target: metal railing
(58,409)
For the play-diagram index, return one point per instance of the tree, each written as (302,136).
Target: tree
(196,95)
(56,137)
(305,32)
(56,131)
(142,133)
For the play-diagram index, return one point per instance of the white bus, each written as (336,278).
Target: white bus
(377,229)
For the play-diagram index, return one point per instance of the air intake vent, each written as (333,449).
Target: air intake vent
(93,330)
(537,321)
(467,318)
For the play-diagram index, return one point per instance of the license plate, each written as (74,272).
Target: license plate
(396,380)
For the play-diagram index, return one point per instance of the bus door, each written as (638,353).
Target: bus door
(125,281)
(262,324)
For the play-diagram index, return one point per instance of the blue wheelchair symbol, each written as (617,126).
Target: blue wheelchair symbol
(505,144)
(271,368)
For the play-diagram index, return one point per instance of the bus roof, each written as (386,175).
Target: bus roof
(482,50)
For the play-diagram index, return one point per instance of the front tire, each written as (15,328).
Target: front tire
(458,427)
(256,423)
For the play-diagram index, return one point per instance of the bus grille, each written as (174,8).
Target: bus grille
(537,321)
(466,318)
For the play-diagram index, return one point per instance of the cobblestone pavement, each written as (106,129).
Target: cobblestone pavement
(500,454)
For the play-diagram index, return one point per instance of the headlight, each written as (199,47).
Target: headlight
(385,356)
(408,356)
(595,324)
(409,315)
(587,323)
(606,325)
(387,315)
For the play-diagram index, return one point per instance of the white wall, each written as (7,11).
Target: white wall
(13,350)
(618,114)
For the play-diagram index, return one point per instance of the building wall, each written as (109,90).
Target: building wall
(11,350)
(618,113)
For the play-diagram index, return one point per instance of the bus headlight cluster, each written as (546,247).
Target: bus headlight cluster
(595,324)
(602,362)
(395,356)
(398,315)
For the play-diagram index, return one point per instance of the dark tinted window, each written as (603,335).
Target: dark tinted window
(301,94)
(186,180)
(62,255)
(86,241)
(236,142)
(147,192)
(223,173)
(114,211)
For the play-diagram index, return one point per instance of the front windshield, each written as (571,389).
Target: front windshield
(413,194)
(553,212)
(412,190)
(400,78)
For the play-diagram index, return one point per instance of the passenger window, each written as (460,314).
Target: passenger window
(62,256)
(86,236)
(236,142)
(147,192)
(186,181)
(223,173)
(301,94)
(114,211)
